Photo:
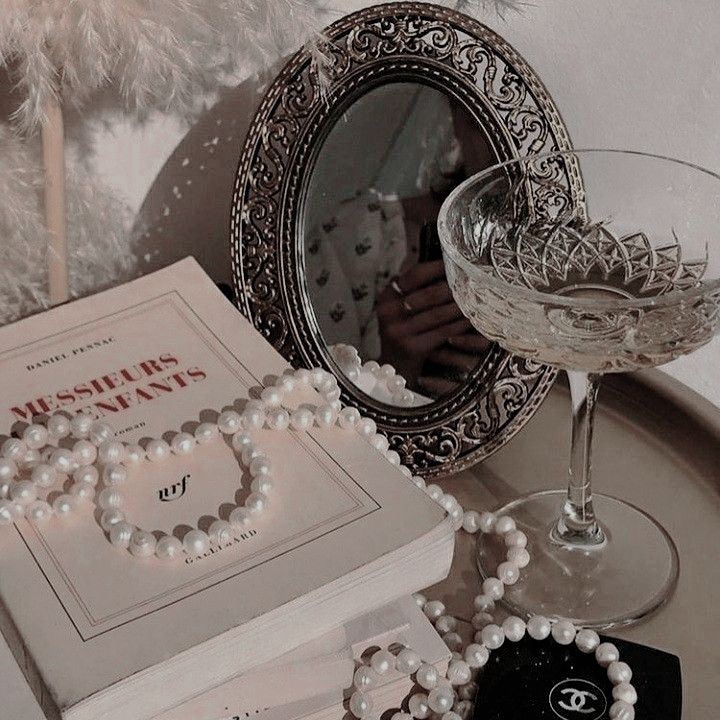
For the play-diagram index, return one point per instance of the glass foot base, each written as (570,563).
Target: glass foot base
(616,583)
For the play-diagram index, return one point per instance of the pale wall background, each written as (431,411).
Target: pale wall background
(641,74)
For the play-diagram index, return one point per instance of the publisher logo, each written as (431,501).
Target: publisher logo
(174,491)
(574,698)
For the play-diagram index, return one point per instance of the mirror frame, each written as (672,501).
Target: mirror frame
(395,42)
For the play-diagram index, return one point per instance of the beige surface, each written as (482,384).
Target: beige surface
(672,472)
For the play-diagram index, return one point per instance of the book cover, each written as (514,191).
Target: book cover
(154,356)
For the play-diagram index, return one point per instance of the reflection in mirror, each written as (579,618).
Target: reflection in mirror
(373,264)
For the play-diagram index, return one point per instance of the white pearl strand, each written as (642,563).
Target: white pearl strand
(449,696)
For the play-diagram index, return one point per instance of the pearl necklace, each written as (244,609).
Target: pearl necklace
(449,696)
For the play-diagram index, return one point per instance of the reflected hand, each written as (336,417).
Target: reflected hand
(417,315)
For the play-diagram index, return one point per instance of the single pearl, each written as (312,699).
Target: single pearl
(80,425)
(35,436)
(82,491)
(365,678)
(142,543)
(157,450)
(58,426)
(23,492)
(445,624)
(325,416)
(420,599)
(440,699)
(504,524)
(31,458)
(111,451)
(317,377)
(229,422)
(110,518)
(396,383)
(493,587)
(110,499)
(260,465)
(100,432)
(272,396)
(135,453)
(371,366)
(434,609)
(256,502)
(434,491)
(39,511)
(206,432)
(538,627)
(278,419)
(587,641)
(484,603)
(14,449)
(44,475)
(516,539)
(508,573)
(240,441)
(249,453)
(8,469)
(404,398)
(85,452)
(619,672)
(487,522)
(492,636)
(286,383)
(220,532)
(471,521)
(7,512)
(302,418)
(518,556)
(63,460)
(606,653)
(447,502)
(481,619)
(382,661)
(361,705)
(453,641)
(380,442)
(253,416)
(418,706)
(407,661)
(365,427)
(621,710)
(168,547)
(63,505)
(625,692)
(114,474)
(385,372)
(476,655)
(459,673)
(120,534)
(392,457)
(514,628)
(348,418)
(239,519)
(426,676)
(302,376)
(196,542)
(419,482)
(261,484)
(182,443)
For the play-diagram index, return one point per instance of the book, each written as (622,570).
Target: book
(101,635)
(322,670)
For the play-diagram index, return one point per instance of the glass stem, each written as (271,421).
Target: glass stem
(577,524)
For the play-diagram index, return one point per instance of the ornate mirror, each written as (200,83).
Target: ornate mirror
(334,241)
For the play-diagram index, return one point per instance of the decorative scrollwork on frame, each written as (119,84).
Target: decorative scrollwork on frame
(400,41)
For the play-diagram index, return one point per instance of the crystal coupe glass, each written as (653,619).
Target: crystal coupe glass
(593,262)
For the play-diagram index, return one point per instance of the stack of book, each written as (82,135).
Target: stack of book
(271,625)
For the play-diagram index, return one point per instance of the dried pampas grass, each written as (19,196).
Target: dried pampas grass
(99,253)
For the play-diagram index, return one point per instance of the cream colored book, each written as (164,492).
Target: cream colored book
(101,635)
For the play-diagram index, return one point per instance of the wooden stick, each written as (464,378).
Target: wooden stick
(53,144)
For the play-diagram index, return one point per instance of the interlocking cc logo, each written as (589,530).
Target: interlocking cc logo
(574,698)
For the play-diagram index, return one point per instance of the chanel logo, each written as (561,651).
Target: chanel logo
(174,491)
(574,698)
